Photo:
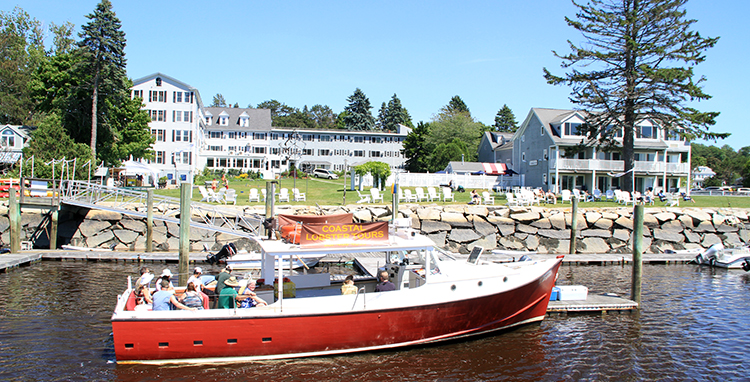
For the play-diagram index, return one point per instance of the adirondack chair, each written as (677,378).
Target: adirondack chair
(421,196)
(487,199)
(376,195)
(230,196)
(219,196)
(363,198)
(597,195)
(263,192)
(409,196)
(566,196)
(204,193)
(432,194)
(610,195)
(448,194)
(298,196)
(254,196)
(401,197)
(510,199)
(284,195)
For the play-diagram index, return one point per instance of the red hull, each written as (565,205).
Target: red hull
(286,336)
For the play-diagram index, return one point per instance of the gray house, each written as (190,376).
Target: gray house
(496,148)
(543,152)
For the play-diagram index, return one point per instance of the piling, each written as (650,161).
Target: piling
(182,268)
(637,252)
(149,220)
(14,213)
(54,217)
(573,226)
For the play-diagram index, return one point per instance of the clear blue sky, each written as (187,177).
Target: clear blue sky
(300,53)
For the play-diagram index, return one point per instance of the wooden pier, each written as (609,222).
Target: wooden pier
(594,303)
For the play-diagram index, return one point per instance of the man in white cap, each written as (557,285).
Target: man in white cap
(166,274)
(196,279)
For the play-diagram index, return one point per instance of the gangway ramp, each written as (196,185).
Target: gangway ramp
(134,203)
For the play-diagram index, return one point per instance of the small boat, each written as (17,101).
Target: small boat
(730,258)
(436,298)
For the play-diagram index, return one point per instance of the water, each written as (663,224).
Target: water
(694,325)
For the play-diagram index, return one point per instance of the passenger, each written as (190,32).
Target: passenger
(142,290)
(348,286)
(166,274)
(196,279)
(474,197)
(248,296)
(192,297)
(228,296)
(144,271)
(164,298)
(384,285)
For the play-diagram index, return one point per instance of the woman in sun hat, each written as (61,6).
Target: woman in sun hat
(228,296)
(166,274)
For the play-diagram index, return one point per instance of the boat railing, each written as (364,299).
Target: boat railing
(364,300)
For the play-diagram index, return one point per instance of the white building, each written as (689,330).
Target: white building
(700,174)
(191,137)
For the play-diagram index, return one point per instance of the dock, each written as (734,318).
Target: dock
(594,303)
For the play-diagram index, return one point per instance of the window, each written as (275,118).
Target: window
(275,150)
(307,137)
(358,139)
(158,81)
(8,139)
(260,136)
(214,134)
(161,116)
(208,120)
(138,93)
(209,162)
(645,132)
(232,135)
(673,136)
(187,116)
(157,96)
(375,154)
(182,136)
(232,148)
(188,97)
(160,157)
(244,121)
(572,128)
(324,152)
(259,150)
(359,153)
(523,157)
(325,138)
(377,140)
(215,148)
(176,116)
(158,135)
(223,120)
(177,97)
(307,151)
(275,136)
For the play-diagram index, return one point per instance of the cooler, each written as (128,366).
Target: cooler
(573,292)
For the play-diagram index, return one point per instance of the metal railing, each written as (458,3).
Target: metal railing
(165,208)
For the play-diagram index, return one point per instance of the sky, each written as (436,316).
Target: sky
(490,53)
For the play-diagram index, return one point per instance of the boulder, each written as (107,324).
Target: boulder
(650,221)
(526,229)
(542,223)
(668,235)
(672,225)
(698,215)
(484,228)
(432,226)
(428,214)
(665,216)
(461,235)
(710,239)
(624,222)
(103,215)
(438,238)
(686,221)
(704,226)
(621,234)
(555,234)
(603,224)
(595,245)
(487,242)
(456,220)
(510,243)
(596,233)
(692,237)
(558,221)
(580,221)
(125,236)
(592,217)
(526,217)
(90,228)
(102,239)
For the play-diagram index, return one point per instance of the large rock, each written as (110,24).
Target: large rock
(580,221)
(510,243)
(592,217)
(665,216)
(555,234)
(595,245)
(90,228)
(698,216)
(624,222)
(603,224)
(668,235)
(428,214)
(432,226)
(438,238)
(456,220)
(526,217)
(542,223)
(461,235)
(650,221)
(710,239)
(487,242)
(692,237)
(686,221)
(558,221)
(621,234)
(103,215)
(125,236)
(363,215)
(134,225)
(476,210)
(704,226)
(532,242)
(484,228)
(596,233)
(526,229)
(672,225)
(100,240)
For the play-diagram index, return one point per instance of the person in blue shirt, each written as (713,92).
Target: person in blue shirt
(164,299)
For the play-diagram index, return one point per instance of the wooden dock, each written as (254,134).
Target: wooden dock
(594,303)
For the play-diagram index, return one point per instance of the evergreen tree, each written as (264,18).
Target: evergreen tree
(51,141)
(416,149)
(323,117)
(505,121)
(382,116)
(396,115)
(445,153)
(455,106)
(218,101)
(632,52)
(103,61)
(358,116)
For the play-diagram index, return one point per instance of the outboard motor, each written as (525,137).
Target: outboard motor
(711,254)
(746,266)
(228,250)
(525,258)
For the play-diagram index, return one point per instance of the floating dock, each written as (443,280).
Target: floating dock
(594,303)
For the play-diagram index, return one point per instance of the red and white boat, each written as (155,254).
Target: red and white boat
(437,299)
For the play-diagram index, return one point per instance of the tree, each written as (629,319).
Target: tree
(50,141)
(323,117)
(382,114)
(632,53)
(380,171)
(396,115)
(63,40)
(21,51)
(445,153)
(358,116)
(103,61)
(445,127)
(455,106)
(416,150)
(218,101)
(505,121)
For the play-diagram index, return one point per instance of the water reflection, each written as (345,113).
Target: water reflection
(692,326)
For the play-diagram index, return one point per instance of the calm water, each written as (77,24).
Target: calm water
(694,325)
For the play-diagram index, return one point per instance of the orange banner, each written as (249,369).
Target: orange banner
(306,219)
(344,234)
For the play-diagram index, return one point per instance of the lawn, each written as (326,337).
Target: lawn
(327,192)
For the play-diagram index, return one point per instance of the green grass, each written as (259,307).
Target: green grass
(331,193)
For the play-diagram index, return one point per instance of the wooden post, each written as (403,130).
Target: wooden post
(270,198)
(54,218)
(182,268)
(573,225)
(14,213)
(149,220)
(637,252)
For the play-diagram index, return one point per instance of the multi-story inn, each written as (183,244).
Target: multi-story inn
(539,155)
(191,137)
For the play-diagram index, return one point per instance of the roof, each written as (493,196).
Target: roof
(499,140)
(172,80)
(260,119)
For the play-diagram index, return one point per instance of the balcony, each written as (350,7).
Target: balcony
(585,165)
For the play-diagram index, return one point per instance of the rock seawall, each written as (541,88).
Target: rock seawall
(454,227)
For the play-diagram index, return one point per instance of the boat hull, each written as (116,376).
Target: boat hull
(237,339)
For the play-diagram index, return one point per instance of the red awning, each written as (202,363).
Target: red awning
(494,168)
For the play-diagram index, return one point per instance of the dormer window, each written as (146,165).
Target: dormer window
(244,120)
(158,81)
(573,128)
(224,118)
(646,132)
(209,118)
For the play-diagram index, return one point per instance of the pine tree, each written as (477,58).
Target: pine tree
(103,59)
(416,149)
(632,52)
(505,121)
(455,106)
(382,117)
(358,115)
(396,115)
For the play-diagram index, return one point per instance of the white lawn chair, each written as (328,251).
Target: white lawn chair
(230,196)
(283,195)
(376,195)
(410,197)
(263,192)
(363,198)
(401,197)
(511,200)
(448,194)
(610,195)
(625,198)
(204,193)
(597,195)
(254,196)
(672,200)
(219,196)
(487,199)
(298,196)
(578,195)
(566,196)
(432,194)
(421,196)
